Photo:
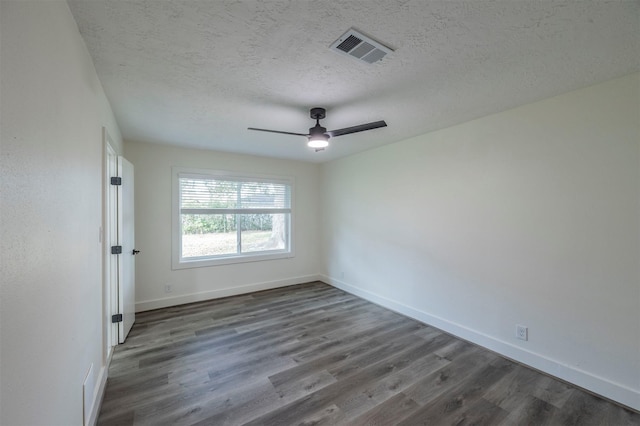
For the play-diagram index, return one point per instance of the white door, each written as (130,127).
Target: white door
(126,237)
(111,239)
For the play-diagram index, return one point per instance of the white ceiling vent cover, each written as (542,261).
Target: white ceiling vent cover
(360,47)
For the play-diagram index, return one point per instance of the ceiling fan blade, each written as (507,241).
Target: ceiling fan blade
(356,129)
(277,131)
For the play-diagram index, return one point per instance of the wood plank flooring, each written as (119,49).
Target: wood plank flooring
(314,355)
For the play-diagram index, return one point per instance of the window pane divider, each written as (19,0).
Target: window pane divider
(238,221)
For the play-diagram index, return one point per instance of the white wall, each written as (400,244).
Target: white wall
(530,216)
(52,111)
(153,190)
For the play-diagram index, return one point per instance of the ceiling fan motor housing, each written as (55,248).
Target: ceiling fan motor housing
(317,130)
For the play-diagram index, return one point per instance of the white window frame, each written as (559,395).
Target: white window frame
(178,262)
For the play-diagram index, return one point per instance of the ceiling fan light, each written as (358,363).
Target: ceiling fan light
(318,141)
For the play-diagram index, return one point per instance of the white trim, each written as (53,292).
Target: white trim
(99,394)
(109,237)
(148,305)
(599,385)
(201,262)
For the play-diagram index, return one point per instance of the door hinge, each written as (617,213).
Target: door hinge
(116,318)
(116,249)
(116,181)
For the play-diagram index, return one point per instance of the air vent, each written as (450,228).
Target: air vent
(360,47)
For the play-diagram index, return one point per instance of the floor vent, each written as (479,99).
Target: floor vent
(360,47)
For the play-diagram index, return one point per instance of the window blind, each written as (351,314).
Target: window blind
(204,194)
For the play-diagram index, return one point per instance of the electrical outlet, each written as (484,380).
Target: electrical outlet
(342,275)
(168,288)
(522,332)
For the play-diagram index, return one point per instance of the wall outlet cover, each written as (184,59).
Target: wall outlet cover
(522,332)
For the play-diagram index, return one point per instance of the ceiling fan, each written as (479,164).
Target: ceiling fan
(319,136)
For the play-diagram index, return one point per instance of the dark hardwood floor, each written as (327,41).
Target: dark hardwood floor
(314,355)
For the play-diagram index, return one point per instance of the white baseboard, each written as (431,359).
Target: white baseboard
(599,385)
(148,305)
(92,419)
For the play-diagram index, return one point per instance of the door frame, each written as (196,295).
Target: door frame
(110,238)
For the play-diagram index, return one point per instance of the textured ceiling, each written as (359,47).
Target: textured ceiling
(198,73)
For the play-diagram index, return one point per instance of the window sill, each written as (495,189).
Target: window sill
(228,260)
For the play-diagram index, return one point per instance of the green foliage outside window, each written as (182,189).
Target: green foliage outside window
(212,223)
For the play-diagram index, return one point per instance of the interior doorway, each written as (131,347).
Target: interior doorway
(118,247)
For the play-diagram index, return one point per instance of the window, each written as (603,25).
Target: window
(221,218)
